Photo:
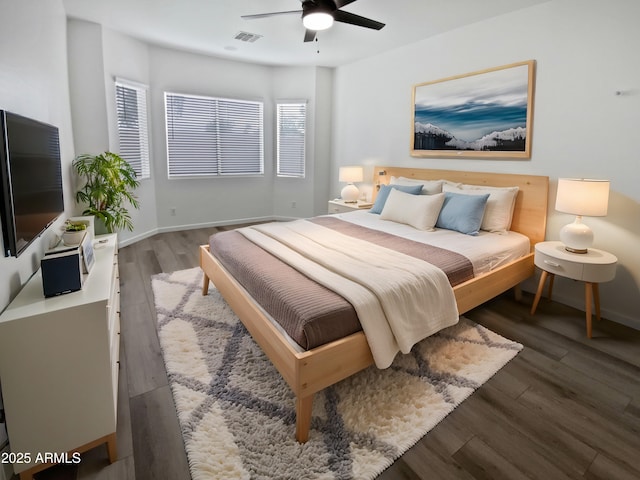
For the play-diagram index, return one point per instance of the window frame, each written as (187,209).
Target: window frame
(215,140)
(302,146)
(141,165)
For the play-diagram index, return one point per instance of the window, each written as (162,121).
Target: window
(291,123)
(213,136)
(133,132)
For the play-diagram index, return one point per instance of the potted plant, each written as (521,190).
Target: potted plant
(73,233)
(110,182)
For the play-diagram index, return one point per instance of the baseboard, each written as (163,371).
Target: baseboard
(193,226)
(578,303)
(605,313)
(137,238)
(221,223)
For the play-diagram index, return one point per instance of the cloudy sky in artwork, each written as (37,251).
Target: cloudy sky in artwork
(475,105)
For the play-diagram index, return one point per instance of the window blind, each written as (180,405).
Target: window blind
(213,136)
(133,131)
(291,126)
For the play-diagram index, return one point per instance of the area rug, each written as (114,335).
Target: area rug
(237,414)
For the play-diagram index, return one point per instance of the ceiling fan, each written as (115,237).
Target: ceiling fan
(320,15)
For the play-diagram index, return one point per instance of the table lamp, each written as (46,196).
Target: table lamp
(350,193)
(581,197)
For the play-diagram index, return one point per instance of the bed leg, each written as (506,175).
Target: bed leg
(303,418)
(517,293)
(205,285)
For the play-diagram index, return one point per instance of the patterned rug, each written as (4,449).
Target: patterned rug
(237,414)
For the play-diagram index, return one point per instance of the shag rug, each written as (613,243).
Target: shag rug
(237,413)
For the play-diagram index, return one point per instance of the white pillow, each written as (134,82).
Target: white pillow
(419,211)
(499,210)
(429,187)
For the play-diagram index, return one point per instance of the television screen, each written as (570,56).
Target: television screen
(31,176)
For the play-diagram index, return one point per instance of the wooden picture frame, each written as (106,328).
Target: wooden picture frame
(483,114)
(88,258)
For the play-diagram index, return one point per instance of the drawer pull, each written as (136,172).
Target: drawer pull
(552,264)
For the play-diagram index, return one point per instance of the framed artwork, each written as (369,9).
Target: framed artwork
(484,114)
(88,258)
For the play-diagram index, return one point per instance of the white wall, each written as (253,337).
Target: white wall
(295,197)
(33,83)
(208,201)
(322,139)
(97,56)
(211,200)
(86,81)
(128,58)
(586,50)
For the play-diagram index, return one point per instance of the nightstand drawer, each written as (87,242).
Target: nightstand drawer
(599,273)
(559,266)
(336,208)
(340,206)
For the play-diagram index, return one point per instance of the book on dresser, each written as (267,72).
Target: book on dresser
(59,364)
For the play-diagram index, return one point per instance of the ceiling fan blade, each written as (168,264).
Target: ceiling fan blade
(309,35)
(342,3)
(353,19)
(272,14)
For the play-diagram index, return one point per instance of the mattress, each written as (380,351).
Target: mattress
(313,315)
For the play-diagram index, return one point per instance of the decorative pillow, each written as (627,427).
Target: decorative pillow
(384,193)
(462,212)
(419,211)
(499,211)
(429,187)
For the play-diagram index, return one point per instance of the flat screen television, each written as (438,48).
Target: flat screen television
(31,180)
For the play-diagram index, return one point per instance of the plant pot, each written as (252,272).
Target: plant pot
(100,226)
(71,239)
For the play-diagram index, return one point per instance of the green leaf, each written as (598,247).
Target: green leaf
(110,182)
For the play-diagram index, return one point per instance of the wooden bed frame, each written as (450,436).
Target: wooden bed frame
(310,371)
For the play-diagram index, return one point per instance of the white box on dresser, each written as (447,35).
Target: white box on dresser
(59,360)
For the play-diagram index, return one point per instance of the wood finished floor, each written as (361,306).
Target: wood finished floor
(565,407)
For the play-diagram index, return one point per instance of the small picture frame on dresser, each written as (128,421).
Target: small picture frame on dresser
(88,259)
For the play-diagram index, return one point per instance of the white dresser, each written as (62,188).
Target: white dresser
(59,361)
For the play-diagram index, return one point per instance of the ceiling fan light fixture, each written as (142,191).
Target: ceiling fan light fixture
(317,20)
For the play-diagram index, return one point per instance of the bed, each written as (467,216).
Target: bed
(309,371)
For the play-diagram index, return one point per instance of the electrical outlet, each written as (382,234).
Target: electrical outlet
(293,204)
(172,211)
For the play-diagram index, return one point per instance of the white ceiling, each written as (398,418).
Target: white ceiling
(209,26)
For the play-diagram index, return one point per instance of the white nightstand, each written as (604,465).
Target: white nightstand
(594,267)
(340,206)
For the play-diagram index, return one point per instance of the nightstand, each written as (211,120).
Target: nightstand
(592,268)
(340,206)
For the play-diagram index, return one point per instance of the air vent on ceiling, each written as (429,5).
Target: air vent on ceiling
(247,37)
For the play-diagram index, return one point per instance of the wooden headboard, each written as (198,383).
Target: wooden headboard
(530,212)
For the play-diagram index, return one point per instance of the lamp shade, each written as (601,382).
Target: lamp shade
(351,174)
(581,196)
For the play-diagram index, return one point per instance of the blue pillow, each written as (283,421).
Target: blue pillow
(383,194)
(462,213)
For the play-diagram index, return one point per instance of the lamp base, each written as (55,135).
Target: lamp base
(576,250)
(577,237)
(350,193)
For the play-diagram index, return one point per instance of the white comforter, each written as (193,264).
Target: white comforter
(399,299)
